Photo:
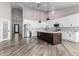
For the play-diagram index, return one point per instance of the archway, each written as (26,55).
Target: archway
(17,20)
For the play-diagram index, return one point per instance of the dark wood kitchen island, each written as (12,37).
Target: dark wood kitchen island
(52,38)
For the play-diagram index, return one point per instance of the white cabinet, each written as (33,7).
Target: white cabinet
(66,21)
(77,36)
(69,21)
(66,36)
(70,36)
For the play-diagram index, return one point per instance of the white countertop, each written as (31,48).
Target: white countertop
(50,31)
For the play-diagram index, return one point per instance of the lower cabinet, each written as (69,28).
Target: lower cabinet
(70,36)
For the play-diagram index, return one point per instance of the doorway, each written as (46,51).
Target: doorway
(17,22)
(16,28)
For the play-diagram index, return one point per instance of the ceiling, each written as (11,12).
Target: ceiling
(47,6)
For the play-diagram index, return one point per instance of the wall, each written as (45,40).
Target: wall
(5,15)
(5,10)
(34,26)
(33,14)
(64,12)
(17,18)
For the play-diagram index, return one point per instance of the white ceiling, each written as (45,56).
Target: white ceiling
(45,6)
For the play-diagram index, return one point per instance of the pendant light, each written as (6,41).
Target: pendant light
(47,11)
(38,6)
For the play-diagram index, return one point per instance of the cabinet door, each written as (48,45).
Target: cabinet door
(57,38)
(64,35)
(73,36)
(70,36)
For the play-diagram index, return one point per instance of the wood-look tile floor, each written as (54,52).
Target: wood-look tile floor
(34,47)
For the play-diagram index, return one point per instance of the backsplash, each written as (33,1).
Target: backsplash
(70,29)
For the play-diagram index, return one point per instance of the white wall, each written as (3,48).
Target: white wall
(33,14)
(5,15)
(5,10)
(34,26)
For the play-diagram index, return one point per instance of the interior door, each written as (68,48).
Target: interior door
(25,35)
(16,28)
(5,30)
(26,30)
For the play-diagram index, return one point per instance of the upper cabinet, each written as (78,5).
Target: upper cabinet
(67,21)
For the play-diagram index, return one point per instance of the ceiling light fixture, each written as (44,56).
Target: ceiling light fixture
(38,4)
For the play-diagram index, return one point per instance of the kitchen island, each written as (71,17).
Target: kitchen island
(50,37)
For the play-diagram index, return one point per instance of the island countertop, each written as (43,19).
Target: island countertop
(50,31)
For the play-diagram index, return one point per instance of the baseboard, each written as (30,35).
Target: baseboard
(70,41)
